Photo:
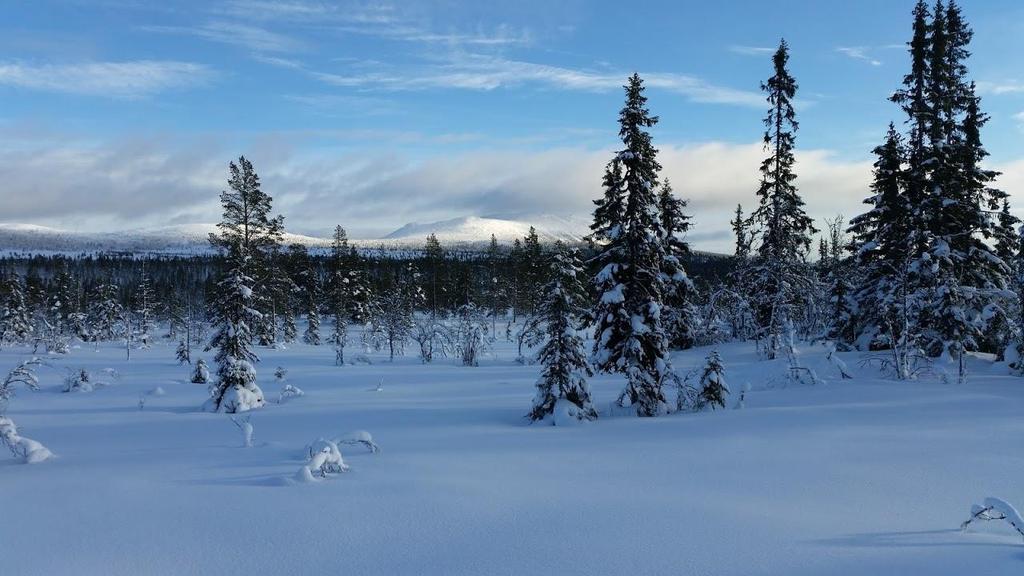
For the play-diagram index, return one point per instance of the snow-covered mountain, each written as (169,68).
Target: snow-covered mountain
(470,230)
(465,232)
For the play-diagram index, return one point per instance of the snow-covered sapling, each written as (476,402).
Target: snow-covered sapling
(289,391)
(280,373)
(247,429)
(713,389)
(742,402)
(27,450)
(562,394)
(183,353)
(23,374)
(201,373)
(995,509)
(360,437)
(834,359)
(78,381)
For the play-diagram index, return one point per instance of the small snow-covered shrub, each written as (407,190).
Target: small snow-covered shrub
(78,381)
(360,437)
(324,458)
(201,373)
(995,509)
(289,391)
(27,450)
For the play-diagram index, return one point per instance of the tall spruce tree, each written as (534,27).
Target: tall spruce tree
(779,277)
(882,240)
(629,337)
(564,377)
(247,233)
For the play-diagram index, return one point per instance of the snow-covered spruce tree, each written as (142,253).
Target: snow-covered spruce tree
(391,317)
(533,271)
(201,373)
(839,275)
(312,334)
(247,231)
(343,292)
(433,261)
(678,314)
(15,318)
(713,390)
(883,239)
(184,352)
(779,276)
(629,337)
(741,231)
(494,291)
(106,312)
(565,372)
(145,305)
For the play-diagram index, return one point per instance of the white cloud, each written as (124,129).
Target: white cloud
(251,37)
(751,50)
(1000,87)
(130,79)
(481,72)
(858,53)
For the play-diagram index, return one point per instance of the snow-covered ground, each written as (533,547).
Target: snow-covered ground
(861,476)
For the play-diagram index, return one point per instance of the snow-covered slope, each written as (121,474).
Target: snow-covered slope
(463,232)
(180,239)
(474,229)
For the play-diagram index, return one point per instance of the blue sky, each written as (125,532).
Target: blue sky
(122,113)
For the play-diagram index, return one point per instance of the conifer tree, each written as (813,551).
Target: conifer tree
(433,256)
(629,337)
(883,240)
(564,377)
(741,233)
(312,334)
(145,302)
(247,233)
(779,276)
(713,390)
(678,315)
(15,319)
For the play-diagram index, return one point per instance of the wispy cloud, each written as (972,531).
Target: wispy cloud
(1000,87)
(482,72)
(751,50)
(133,79)
(858,53)
(251,37)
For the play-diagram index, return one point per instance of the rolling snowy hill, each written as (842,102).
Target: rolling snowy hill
(465,232)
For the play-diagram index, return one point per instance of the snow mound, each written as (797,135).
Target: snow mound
(28,450)
(360,437)
(324,459)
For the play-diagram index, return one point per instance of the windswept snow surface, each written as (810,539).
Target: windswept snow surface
(855,477)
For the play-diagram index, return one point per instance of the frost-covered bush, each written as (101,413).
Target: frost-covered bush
(324,458)
(359,437)
(469,335)
(78,381)
(201,373)
(27,450)
(431,336)
(289,391)
(23,374)
(995,509)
